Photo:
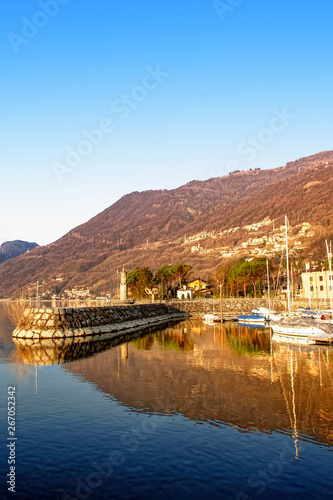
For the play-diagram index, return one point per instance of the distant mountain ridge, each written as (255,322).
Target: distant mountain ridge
(12,249)
(156,227)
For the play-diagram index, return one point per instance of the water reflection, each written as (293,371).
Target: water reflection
(66,350)
(219,374)
(248,339)
(7,347)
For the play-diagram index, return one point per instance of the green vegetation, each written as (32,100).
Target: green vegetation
(249,343)
(167,279)
(243,277)
(138,280)
(144,343)
(172,340)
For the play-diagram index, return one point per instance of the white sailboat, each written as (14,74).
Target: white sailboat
(297,329)
(211,318)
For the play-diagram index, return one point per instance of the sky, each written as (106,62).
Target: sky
(100,98)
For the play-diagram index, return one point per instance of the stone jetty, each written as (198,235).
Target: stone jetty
(59,323)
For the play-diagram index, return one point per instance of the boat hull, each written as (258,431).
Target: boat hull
(252,319)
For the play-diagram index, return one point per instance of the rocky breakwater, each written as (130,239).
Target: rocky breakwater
(60,323)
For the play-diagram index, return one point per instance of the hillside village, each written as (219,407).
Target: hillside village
(255,240)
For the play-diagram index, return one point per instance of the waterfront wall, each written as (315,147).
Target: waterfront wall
(231,307)
(59,323)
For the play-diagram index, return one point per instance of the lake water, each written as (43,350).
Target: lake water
(188,412)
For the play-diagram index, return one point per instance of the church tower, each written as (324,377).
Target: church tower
(123,285)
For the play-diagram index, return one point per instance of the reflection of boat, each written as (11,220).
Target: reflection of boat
(302,331)
(252,325)
(211,318)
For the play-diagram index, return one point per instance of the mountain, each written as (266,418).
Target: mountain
(11,249)
(200,223)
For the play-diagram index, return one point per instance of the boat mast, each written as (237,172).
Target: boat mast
(287,263)
(329,256)
(268,290)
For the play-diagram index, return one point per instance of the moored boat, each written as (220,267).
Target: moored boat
(252,319)
(268,314)
(296,329)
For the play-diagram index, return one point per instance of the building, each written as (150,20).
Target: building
(184,293)
(317,284)
(197,284)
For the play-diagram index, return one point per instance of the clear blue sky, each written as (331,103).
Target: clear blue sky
(180,90)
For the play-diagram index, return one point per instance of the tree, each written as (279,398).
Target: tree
(168,275)
(181,271)
(258,272)
(221,275)
(240,274)
(164,276)
(138,280)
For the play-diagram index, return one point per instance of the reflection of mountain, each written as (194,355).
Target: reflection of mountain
(7,346)
(213,382)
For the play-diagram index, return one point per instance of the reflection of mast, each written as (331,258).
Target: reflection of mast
(292,418)
(295,433)
(271,353)
(36,378)
(320,379)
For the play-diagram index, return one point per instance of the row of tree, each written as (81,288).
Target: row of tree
(243,277)
(251,277)
(166,280)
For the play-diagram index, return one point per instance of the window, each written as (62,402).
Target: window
(311,288)
(320,278)
(321,288)
(311,279)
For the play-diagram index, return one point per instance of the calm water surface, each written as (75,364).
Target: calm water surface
(189,412)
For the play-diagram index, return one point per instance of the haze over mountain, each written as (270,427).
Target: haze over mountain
(156,228)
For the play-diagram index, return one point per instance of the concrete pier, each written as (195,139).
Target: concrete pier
(59,323)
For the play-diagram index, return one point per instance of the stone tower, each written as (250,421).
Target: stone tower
(123,285)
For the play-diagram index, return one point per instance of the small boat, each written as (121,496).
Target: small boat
(322,315)
(252,319)
(268,314)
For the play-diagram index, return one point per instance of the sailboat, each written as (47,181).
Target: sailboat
(211,318)
(260,315)
(296,329)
